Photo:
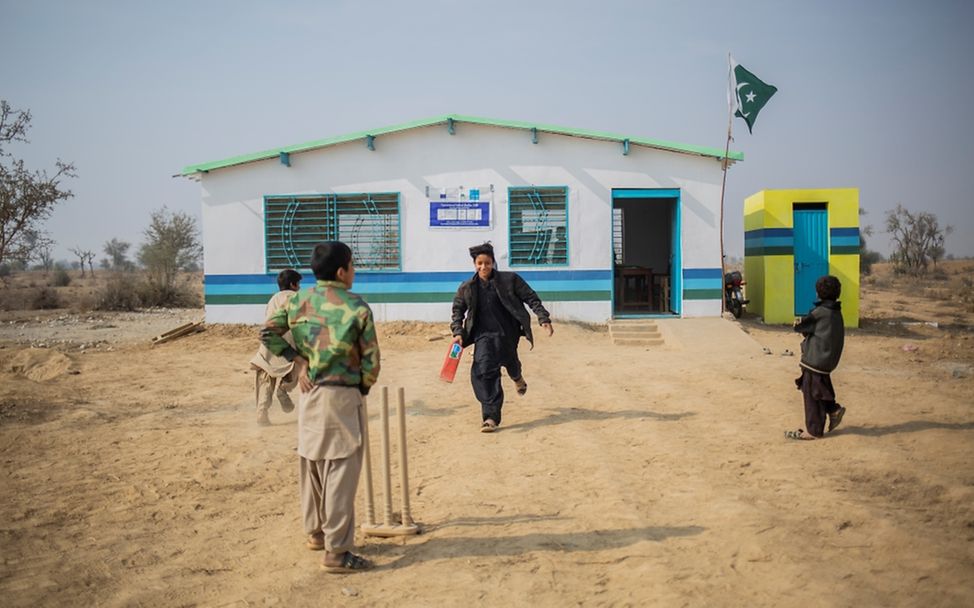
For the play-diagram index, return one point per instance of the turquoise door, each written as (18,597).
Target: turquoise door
(811,255)
(676,259)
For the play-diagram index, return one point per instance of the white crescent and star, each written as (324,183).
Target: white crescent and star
(749,97)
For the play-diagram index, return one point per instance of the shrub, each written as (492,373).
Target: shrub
(171,244)
(172,296)
(966,293)
(45,298)
(866,260)
(118,293)
(60,278)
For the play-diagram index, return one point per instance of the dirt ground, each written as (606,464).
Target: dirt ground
(135,475)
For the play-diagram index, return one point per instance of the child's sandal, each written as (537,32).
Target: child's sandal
(799,434)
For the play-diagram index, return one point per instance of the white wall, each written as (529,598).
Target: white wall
(409,161)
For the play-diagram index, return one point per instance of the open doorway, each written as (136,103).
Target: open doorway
(645,252)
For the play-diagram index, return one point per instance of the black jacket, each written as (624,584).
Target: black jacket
(514,293)
(824,333)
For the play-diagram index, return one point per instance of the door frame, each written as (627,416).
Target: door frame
(820,252)
(676,247)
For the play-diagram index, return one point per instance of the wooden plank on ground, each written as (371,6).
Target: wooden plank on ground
(179,332)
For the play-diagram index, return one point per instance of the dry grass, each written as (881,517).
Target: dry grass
(21,290)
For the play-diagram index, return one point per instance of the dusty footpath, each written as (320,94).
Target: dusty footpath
(135,475)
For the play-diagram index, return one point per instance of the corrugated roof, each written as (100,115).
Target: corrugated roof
(457,119)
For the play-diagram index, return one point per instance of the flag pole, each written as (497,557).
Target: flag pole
(723,182)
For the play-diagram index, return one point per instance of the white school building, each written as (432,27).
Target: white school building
(601,225)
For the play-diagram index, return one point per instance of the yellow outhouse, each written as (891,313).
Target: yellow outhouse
(791,238)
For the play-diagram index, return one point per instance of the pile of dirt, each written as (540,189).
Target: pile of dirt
(233,331)
(39,364)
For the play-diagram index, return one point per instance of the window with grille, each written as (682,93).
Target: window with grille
(618,230)
(538,220)
(368,223)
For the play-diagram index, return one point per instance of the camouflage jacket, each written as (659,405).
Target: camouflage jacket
(333,329)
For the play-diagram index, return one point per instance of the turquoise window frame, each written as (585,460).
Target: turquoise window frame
(517,247)
(290,231)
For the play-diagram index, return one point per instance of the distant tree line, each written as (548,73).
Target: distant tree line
(27,198)
(918,242)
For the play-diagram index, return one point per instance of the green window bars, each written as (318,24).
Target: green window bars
(368,223)
(538,220)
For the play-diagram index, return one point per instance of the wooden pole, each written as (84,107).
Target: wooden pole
(386,465)
(407,518)
(369,498)
(723,181)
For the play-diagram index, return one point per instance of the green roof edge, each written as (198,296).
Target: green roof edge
(426,122)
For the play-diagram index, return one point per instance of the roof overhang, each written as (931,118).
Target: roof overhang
(451,120)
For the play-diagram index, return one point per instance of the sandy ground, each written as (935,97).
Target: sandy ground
(135,475)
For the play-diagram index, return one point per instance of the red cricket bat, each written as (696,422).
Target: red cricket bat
(449,369)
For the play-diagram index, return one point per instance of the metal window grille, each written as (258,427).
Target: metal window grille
(538,219)
(368,223)
(617,233)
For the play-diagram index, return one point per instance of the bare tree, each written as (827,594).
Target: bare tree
(917,238)
(45,255)
(937,252)
(80,254)
(27,197)
(85,256)
(32,244)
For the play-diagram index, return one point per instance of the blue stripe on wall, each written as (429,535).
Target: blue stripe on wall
(689,284)
(703,273)
(703,283)
(418,282)
(270,287)
(844,241)
(769,241)
(762,233)
(404,277)
(694,280)
(773,241)
(851,232)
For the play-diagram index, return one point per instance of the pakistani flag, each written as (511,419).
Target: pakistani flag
(748,94)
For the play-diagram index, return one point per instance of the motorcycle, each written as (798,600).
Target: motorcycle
(733,295)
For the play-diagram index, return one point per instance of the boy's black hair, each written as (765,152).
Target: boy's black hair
(483,249)
(328,257)
(288,277)
(828,288)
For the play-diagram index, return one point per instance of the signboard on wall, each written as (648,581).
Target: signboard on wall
(466,214)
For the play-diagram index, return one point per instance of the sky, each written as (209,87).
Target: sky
(874,95)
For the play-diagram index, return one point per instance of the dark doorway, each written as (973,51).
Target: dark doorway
(644,229)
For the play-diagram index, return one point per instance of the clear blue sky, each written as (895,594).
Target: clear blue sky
(874,95)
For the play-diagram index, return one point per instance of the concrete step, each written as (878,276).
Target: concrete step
(635,332)
(633,327)
(635,335)
(639,342)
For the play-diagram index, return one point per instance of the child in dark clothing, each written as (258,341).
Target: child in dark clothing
(488,311)
(824,333)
